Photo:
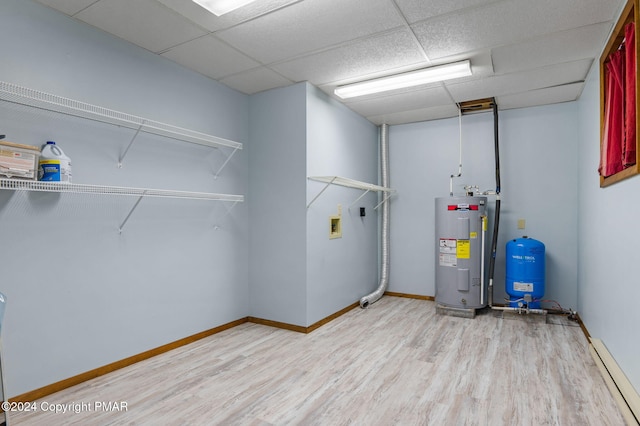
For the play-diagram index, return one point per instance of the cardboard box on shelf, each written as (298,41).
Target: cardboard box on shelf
(19,161)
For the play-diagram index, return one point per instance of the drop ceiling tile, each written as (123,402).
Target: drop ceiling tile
(418,10)
(310,25)
(413,116)
(415,99)
(517,82)
(143,22)
(70,7)
(540,50)
(546,96)
(256,80)
(365,58)
(211,22)
(507,22)
(205,54)
(579,43)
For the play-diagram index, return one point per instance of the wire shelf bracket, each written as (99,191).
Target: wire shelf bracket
(124,154)
(359,198)
(215,176)
(228,210)
(124,222)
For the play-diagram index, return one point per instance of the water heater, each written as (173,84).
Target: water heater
(460,230)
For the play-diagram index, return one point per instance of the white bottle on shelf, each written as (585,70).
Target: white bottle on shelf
(54,166)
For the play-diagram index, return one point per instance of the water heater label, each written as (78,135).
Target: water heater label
(448,245)
(447,255)
(528,287)
(463,249)
(447,259)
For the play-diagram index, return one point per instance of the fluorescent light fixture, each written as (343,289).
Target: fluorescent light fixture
(404,80)
(220,7)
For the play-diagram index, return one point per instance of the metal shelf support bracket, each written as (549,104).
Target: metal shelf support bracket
(228,210)
(124,154)
(359,198)
(225,163)
(386,197)
(323,189)
(126,219)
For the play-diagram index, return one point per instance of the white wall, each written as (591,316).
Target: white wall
(277,176)
(80,295)
(339,143)
(608,249)
(539,184)
(297,274)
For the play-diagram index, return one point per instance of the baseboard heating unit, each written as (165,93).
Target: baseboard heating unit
(622,390)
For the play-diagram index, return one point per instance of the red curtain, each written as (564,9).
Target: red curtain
(613,135)
(629,149)
(618,148)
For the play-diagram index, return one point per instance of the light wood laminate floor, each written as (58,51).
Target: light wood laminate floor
(396,363)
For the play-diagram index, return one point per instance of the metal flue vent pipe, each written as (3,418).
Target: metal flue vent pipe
(384,237)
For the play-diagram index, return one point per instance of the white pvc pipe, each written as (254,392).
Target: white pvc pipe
(460,150)
(482,261)
(519,310)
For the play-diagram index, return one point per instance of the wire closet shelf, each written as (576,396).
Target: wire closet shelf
(351,183)
(76,188)
(24,96)
(44,101)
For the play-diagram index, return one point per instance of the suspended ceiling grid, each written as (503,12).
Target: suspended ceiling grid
(523,52)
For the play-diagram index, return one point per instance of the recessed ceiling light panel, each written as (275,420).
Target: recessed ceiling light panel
(220,7)
(404,80)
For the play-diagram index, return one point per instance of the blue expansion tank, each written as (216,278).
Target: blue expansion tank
(525,272)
